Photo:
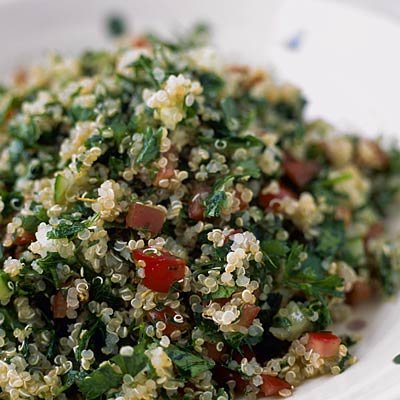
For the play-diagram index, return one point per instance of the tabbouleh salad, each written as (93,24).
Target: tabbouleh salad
(173,228)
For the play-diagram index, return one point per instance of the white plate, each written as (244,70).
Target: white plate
(346,60)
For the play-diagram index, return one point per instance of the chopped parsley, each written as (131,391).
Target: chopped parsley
(151,146)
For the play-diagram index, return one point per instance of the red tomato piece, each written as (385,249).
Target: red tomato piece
(9,114)
(272,385)
(269,200)
(141,42)
(20,77)
(221,301)
(360,292)
(343,214)
(164,173)
(371,155)
(213,352)
(245,352)
(374,231)
(242,204)
(25,238)
(222,375)
(325,344)
(300,172)
(168,171)
(167,315)
(59,306)
(248,314)
(233,233)
(196,204)
(161,270)
(145,217)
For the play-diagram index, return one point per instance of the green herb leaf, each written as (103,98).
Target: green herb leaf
(95,140)
(30,223)
(244,141)
(49,266)
(12,202)
(386,274)
(133,364)
(214,204)
(330,239)
(217,199)
(274,247)
(248,167)
(315,287)
(70,378)
(151,146)
(274,252)
(78,113)
(223,292)
(91,326)
(211,83)
(27,132)
(396,360)
(231,112)
(65,229)
(116,25)
(353,252)
(188,362)
(309,276)
(100,382)
(235,339)
(349,340)
(120,130)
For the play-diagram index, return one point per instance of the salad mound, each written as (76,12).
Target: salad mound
(172,227)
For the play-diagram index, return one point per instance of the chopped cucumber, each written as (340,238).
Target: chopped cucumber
(354,252)
(294,323)
(5,290)
(60,188)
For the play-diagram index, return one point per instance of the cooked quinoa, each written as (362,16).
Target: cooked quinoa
(173,228)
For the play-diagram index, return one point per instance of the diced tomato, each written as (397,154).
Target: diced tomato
(248,314)
(59,306)
(272,385)
(222,375)
(167,315)
(269,200)
(9,114)
(145,217)
(161,270)
(245,352)
(254,78)
(371,155)
(343,214)
(168,171)
(325,344)
(300,172)
(238,68)
(25,238)
(141,42)
(196,204)
(360,292)
(230,236)
(242,204)
(20,77)
(213,352)
(221,301)
(374,231)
